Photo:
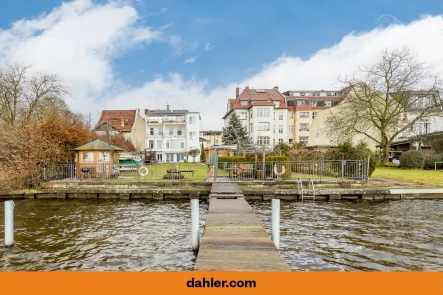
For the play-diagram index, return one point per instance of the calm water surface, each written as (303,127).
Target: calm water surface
(368,236)
(155,236)
(100,235)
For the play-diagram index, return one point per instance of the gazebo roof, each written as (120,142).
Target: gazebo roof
(97,145)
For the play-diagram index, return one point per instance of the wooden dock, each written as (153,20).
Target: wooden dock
(234,239)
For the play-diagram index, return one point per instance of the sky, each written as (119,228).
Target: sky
(193,54)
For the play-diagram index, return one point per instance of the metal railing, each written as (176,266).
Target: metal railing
(232,171)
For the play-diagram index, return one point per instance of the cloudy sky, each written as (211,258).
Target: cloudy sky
(192,54)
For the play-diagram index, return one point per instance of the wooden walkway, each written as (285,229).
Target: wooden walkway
(234,239)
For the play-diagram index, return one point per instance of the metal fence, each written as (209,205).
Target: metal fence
(232,171)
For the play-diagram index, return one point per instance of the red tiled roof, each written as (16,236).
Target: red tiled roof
(258,97)
(117,118)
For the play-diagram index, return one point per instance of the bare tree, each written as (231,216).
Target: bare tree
(386,99)
(23,93)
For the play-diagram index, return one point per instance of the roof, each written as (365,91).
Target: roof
(201,139)
(123,120)
(98,145)
(256,97)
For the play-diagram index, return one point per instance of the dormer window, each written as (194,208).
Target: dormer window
(252,94)
(271,94)
(244,103)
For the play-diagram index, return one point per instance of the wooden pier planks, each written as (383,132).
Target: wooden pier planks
(234,239)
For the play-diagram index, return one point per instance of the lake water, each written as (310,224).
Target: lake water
(366,236)
(120,235)
(100,235)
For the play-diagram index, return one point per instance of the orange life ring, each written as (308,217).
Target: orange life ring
(283,170)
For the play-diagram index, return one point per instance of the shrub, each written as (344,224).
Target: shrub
(412,160)
(431,159)
(388,164)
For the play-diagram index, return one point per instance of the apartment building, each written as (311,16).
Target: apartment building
(212,137)
(263,112)
(303,106)
(172,133)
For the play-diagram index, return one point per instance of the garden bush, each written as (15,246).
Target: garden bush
(412,160)
(431,159)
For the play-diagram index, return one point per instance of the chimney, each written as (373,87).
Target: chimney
(167,107)
(247,87)
(276,88)
(237,92)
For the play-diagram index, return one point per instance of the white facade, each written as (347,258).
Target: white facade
(171,134)
(266,125)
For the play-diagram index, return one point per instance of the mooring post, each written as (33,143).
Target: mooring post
(195,228)
(9,223)
(276,222)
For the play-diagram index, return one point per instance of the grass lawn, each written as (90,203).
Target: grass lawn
(157,171)
(427,177)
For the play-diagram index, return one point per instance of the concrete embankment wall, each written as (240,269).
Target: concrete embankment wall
(201,190)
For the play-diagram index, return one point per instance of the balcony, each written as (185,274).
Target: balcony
(166,120)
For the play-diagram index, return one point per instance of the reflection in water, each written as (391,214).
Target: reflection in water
(100,235)
(383,236)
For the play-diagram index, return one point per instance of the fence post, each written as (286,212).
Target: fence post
(276,222)
(215,163)
(264,164)
(9,223)
(342,169)
(195,232)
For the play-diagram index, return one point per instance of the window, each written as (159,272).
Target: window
(271,94)
(291,115)
(304,127)
(159,144)
(250,130)
(314,114)
(277,104)
(280,115)
(280,140)
(167,144)
(182,145)
(280,128)
(191,120)
(301,102)
(312,103)
(328,103)
(151,131)
(171,131)
(88,156)
(304,114)
(263,126)
(263,140)
(302,94)
(291,129)
(291,140)
(191,135)
(243,115)
(253,94)
(103,156)
(179,131)
(160,131)
(151,144)
(303,139)
(216,141)
(243,102)
(263,112)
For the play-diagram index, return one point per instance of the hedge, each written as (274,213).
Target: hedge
(431,159)
(412,160)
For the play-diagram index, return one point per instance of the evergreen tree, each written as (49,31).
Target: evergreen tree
(235,132)
(202,154)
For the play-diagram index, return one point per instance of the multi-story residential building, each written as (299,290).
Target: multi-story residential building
(172,133)
(429,124)
(303,106)
(212,137)
(127,122)
(263,112)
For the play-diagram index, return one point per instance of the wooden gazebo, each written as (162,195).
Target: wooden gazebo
(97,159)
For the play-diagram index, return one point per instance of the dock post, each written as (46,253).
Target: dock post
(9,223)
(276,222)
(195,228)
